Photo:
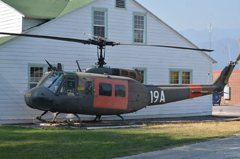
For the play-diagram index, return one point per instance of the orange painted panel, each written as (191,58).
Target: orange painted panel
(196,88)
(110,102)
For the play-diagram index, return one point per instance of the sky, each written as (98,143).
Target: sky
(196,14)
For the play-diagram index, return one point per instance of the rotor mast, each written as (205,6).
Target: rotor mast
(101,56)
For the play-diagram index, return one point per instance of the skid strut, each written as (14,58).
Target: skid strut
(120,117)
(55,117)
(98,118)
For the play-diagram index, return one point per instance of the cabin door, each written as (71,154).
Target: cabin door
(110,94)
(68,97)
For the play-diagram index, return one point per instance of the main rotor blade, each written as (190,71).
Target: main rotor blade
(94,42)
(167,46)
(50,37)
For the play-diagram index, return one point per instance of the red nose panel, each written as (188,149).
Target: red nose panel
(110,102)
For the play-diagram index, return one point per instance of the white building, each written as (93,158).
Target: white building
(22,59)
(10,19)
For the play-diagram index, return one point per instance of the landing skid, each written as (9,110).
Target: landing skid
(58,122)
(98,118)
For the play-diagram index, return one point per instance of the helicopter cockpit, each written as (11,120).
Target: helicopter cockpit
(51,80)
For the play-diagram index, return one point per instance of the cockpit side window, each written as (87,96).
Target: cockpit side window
(68,87)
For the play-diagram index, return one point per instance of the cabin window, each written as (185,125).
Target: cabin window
(120,3)
(105,89)
(120,90)
(100,22)
(52,81)
(139,32)
(68,87)
(179,76)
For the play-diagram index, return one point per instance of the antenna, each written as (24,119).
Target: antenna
(78,66)
(229,51)
(210,36)
(51,67)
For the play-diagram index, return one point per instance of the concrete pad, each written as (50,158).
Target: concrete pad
(227,148)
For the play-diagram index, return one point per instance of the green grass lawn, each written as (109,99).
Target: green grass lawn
(19,142)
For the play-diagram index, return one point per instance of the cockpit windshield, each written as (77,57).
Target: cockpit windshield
(52,81)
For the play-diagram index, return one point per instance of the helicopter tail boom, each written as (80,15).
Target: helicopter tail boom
(223,78)
(161,94)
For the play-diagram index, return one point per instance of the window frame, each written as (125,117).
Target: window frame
(106,20)
(116,94)
(180,75)
(120,7)
(65,84)
(144,30)
(45,69)
(105,95)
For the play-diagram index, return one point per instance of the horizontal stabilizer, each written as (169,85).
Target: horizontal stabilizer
(202,92)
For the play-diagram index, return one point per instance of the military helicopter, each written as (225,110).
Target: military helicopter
(108,91)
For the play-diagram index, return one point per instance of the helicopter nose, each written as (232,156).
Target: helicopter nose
(40,98)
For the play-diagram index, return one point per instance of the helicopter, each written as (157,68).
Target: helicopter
(108,91)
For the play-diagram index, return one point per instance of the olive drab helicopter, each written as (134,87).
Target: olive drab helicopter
(109,91)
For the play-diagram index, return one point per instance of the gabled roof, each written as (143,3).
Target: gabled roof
(46,9)
(13,9)
(43,9)
(50,9)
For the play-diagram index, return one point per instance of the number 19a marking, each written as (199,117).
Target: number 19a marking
(155,96)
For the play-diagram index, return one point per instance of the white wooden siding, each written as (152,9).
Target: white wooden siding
(16,54)
(10,19)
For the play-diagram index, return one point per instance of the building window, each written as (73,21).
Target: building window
(36,73)
(120,3)
(186,77)
(100,22)
(178,76)
(139,32)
